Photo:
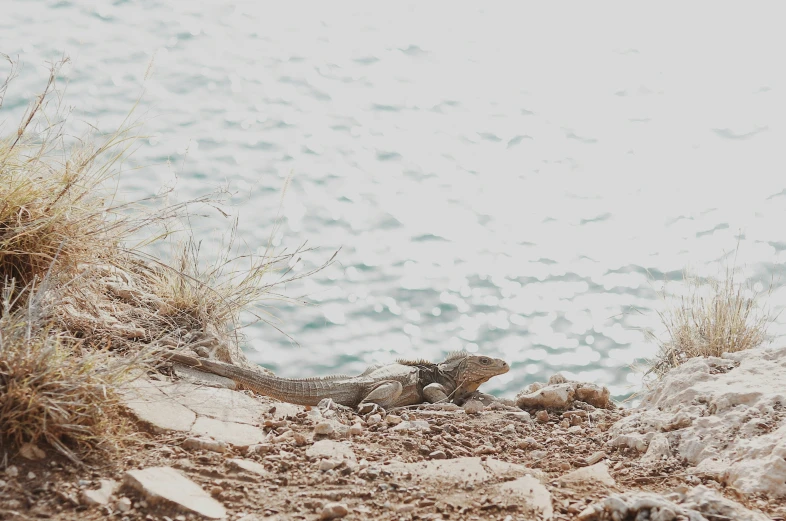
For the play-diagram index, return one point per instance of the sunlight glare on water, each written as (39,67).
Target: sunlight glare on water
(508,179)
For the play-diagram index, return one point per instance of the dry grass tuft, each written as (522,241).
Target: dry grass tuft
(53,392)
(55,210)
(82,310)
(716,316)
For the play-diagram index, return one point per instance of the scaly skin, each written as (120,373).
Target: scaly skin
(393,385)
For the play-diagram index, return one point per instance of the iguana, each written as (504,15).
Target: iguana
(386,386)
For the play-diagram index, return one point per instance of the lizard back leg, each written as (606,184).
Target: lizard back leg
(435,393)
(383,395)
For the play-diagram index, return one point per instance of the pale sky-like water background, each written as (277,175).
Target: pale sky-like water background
(499,178)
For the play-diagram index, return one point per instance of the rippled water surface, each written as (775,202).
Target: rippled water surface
(500,180)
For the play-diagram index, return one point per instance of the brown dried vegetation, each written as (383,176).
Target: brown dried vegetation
(83,312)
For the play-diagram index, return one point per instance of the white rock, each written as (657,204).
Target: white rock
(374,419)
(124,504)
(557,396)
(11,471)
(356,429)
(698,504)
(597,473)
(334,511)
(328,464)
(473,407)
(248,466)
(167,485)
(334,450)
(204,444)
(412,425)
(393,419)
(324,428)
(657,451)
(101,496)
(720,415)
(527,490)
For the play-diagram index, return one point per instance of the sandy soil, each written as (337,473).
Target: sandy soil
(292,486)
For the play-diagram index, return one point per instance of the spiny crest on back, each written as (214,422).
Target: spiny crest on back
(452,356)
(416,362)
(456,355)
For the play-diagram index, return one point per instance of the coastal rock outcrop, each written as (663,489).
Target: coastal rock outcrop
(697,504)
(725,417)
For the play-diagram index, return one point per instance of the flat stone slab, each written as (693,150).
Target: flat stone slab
(225,415)
(459,471)
(102,495)
(218,403)
(531,492)
(332,450)
(240,435)
(154,408)
(597,473)
(168,486)
(248,466)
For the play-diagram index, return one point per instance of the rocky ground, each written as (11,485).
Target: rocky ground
(213,452)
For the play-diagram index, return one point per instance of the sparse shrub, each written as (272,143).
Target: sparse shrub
(51,390)
(82,309)
(716,315)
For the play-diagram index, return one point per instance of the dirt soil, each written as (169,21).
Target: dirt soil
(292,486)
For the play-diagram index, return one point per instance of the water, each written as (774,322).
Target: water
(500,179)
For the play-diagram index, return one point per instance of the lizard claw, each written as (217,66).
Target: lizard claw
(326,404)
(369,408)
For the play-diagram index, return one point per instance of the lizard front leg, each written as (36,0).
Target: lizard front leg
(435,393)
(382,396)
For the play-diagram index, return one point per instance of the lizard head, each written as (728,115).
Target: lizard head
(469,371)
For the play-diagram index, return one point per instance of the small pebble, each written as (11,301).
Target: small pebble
(374,419)
(281,438)
(11,471)
(438,454)
(576,429)
(528,443)
(356,429)
(564,424)
(300,440)
(542,416)
(324,428)
(328,464)
(124,504)
(334,511)
(564,465)
(393,419)
(403,509)
(538,454)
(31,476)
(485,449)
(204,444)
(473,407)
(509,428)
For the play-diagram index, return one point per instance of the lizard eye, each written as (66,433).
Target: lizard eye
(484,360)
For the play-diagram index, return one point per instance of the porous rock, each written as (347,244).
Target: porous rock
(723,415)
(561,394)
(698,504)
